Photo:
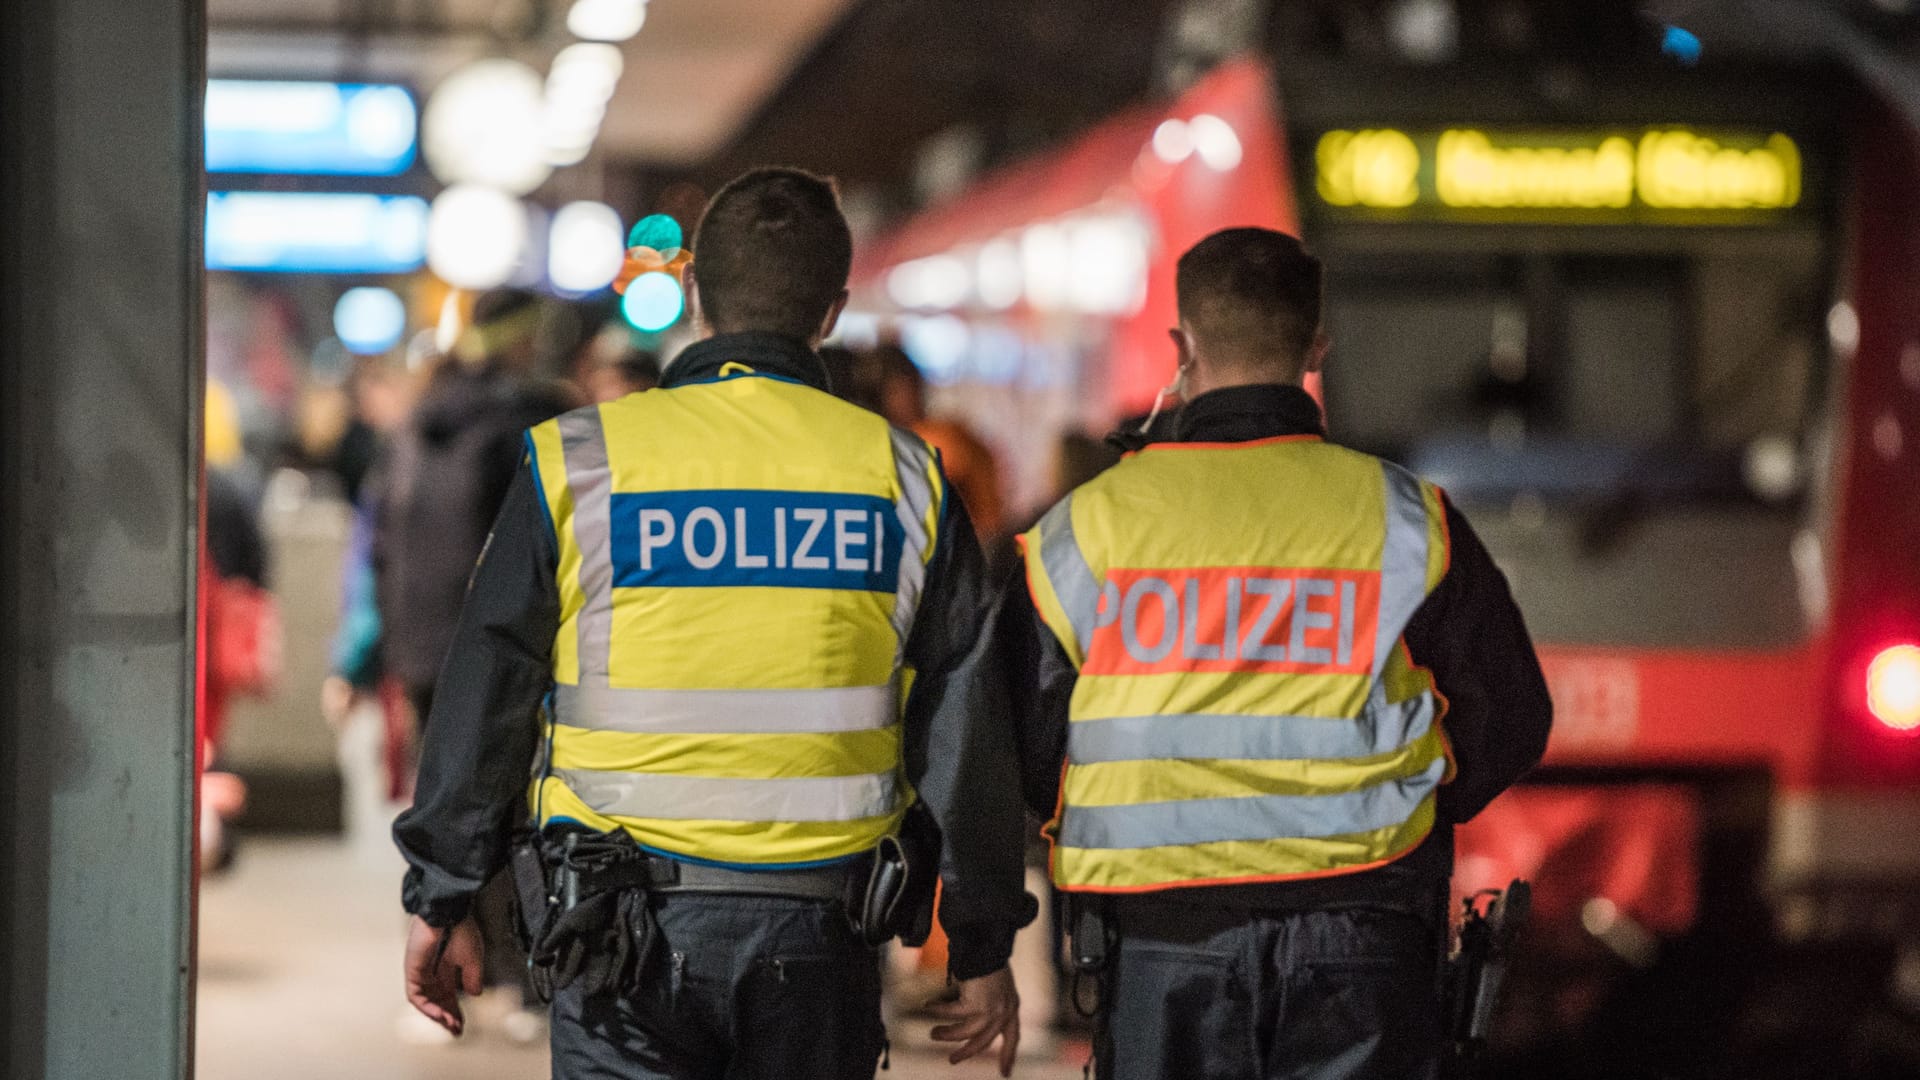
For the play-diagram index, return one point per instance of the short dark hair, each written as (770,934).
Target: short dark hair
(772,253)
(1251,292)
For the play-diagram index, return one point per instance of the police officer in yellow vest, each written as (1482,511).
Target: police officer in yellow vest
(1276,673)
(754,615)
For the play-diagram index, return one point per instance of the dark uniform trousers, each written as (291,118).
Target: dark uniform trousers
(1207,993)
(736,988)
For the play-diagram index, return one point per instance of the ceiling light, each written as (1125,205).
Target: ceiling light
(485,125)
(585,71)
(475,236)
(606,20)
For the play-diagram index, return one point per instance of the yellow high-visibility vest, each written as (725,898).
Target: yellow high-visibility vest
(740,563)
(1245,708)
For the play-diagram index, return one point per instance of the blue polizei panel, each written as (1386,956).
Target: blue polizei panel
(779,539)
(329,129)
(316,232)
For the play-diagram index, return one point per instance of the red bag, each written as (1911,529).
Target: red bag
(244,643)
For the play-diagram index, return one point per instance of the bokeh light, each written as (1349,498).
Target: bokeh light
(1682,45)
(583,247)
(656,231)
(1893,687)
(475,236)
(1172,141)
(579,85)
(486,125)
(1215,141)
(653,302)
(369,319)
(606,20)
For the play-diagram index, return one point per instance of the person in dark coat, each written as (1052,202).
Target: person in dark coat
(445,478)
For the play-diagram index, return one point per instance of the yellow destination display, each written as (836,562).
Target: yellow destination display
(1560,175)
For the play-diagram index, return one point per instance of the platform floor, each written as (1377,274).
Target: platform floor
(299,979)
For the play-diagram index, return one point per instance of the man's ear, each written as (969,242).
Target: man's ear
(690,287)
(833,316)
(1317,352)
(1182,345)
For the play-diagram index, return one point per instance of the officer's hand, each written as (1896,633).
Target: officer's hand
(435,988)
(988,1009)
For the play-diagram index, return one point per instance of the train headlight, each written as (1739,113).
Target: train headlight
(1893,687)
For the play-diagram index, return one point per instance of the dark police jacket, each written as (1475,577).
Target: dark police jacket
(484,733)
(1468,633)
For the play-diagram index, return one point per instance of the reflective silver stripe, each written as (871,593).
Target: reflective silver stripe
(1067,570)
(1249,738)
(702,712)
(911,463)
(693,798)
(1260,817)
(584,444)
(1403,562)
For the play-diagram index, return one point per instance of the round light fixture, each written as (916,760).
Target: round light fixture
(486,125)
(475,236)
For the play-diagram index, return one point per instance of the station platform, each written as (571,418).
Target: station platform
(299,979)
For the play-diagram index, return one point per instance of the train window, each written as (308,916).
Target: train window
(1594,416)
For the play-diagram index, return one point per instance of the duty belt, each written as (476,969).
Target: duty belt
(664,876)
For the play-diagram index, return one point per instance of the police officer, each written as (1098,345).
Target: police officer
(1277,672)
(755,612)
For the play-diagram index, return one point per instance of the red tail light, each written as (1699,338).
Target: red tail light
(1893,688)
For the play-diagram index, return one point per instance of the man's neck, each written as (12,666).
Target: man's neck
(1226,372)
(1231,380)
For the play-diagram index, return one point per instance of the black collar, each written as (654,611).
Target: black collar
(1245,413)
(766,354)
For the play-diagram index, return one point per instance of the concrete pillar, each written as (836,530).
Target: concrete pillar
(100,390)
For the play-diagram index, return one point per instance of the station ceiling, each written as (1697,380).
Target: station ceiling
(695,75)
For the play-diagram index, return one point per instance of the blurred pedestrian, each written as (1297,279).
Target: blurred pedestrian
(445,478)
(902,395)
(1243,644)
(721,586)
(380,397)
(243,635)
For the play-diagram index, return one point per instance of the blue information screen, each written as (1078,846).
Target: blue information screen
(331,129)
(316,232)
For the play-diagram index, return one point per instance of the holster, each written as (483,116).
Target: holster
(584,911)
(1091,932)
(1472,975)
(895,898)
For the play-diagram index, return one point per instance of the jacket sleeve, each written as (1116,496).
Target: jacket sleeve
(1041,676)
(959,754)
(1471,636)
(484,730)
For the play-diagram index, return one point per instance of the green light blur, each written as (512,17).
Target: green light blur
(657,231)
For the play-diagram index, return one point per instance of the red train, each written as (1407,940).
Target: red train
(1657,330)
